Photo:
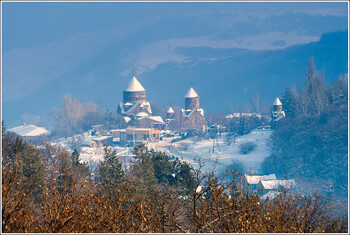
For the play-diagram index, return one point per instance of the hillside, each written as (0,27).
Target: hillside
(231,75)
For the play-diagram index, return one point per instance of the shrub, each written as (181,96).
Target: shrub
(247,147)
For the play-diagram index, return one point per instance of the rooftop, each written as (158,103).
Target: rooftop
(273,184)
(29,130)
(191,93)
(277,102)
(134,85)
(170,110)
(255,179)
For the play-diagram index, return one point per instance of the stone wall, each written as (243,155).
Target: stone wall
(192,103)
(135,96)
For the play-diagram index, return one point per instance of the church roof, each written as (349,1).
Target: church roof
(170,110)
(141,114)
(191,93)
(277,102)
(134,85)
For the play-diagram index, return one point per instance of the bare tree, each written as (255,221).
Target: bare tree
(315,91)
(69,118)
(256,102)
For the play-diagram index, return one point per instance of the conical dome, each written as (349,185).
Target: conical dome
(170,110)
(134,85)
(191,93)
(277,102)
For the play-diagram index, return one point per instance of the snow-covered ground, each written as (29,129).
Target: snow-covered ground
(215,154)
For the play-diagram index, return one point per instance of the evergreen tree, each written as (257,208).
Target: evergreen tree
(25,160)
(75,156)
(110,170)
(290,102)
(163,169)
(143,168)
(242,128)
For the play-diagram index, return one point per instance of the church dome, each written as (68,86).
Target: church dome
(134,85)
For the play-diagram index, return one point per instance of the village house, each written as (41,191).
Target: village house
(134,136)
(266,186)
(31,133)
(252,181)
(101,141)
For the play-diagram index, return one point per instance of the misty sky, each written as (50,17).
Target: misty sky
(41,42)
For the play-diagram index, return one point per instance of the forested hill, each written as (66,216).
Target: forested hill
(233,76)
(311,143)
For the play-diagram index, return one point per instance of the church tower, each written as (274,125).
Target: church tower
(134,92)
(277,113)
(191,99)
(192,115)
(277,105)
(170,113)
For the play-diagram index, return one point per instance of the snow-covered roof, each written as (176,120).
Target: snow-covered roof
(278,115)
(29,130)
(189,112)
(273,184)
(170,110)
(277,102)
(127,119)
(118,130)
(134,85)
(191,93)
(270,195)
(141,114)
(201,111)
(255,179)
(146,105)
(154,118)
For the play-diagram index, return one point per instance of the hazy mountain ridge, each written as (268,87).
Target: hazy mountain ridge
(223,78)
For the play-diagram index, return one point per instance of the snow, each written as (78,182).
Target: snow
(273,184)
(277,102)
(191,93)
(270,195)
(170,110)
(158,119)
(255,179)
(193,149)
(127,119)
(29,130)
(101,138)
(141,114)
(134,85)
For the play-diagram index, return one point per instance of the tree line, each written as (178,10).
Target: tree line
(311,142)
(48,189)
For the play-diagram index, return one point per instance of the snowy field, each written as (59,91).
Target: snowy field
(217,154)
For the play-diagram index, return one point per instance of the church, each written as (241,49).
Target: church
(277,113)
(135,109)
(192,117)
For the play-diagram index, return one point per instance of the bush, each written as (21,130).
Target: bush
(247,147)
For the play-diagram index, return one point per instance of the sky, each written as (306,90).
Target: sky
(42,42)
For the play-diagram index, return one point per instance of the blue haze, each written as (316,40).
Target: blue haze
(228,51)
